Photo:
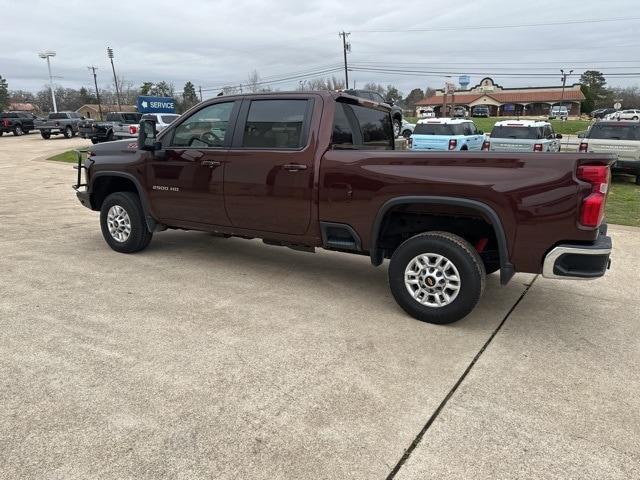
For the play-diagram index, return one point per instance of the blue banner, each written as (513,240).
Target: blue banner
(147,104)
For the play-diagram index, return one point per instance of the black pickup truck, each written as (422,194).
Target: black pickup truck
(18,123)
(117,125)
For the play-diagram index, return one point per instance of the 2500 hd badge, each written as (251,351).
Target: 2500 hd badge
(165,188)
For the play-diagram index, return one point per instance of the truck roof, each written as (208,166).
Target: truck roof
(335,95)
(522,123)
(445,120)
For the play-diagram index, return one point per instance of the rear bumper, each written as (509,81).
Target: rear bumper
(579,261)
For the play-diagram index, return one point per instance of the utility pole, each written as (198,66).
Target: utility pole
(346,47)
(47,55)
(95,82)
(200,91)
(564,81)
(115,79)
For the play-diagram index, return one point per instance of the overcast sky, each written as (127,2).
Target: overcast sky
(214,43)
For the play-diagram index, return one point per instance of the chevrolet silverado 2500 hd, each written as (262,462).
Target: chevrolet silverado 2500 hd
(318,169)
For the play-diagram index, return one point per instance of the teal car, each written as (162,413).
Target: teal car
(446,134)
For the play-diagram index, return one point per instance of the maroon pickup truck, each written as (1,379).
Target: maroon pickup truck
(320,169)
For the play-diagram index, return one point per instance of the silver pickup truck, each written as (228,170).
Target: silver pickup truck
(619,137)
(60,123)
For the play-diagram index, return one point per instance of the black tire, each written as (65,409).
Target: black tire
(45,135)
(139,236)
(94,140)
(463,257)
(407,133)
(18,131)
(637,179)
(68,132)
(110,137)
(397,126)
(634,118)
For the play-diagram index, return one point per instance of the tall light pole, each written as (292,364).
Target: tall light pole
(564,81)
(47,54)
(115,79)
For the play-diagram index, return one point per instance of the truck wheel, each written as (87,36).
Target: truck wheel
(17,130)
(436,277)
(123,224)
(68,132)
(637,179)
(45,135)
(94,140)
(407,133)
(110,136)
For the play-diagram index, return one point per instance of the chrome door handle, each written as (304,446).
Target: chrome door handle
(294,167)
(211,163)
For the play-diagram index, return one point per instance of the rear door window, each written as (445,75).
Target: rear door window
(360,127)
(277,124)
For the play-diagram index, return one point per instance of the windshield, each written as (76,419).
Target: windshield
(615,131)
(439,129)
(521,133)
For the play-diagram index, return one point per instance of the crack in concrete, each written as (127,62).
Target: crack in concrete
(416,441)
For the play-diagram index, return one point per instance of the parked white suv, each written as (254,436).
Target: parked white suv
(620,138)
(523,136)
(629,115)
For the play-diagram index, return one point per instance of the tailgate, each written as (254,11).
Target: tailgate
(430,142)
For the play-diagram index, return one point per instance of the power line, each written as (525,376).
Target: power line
(486,27)
(309,74)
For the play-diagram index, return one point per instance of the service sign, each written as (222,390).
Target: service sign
(147,104)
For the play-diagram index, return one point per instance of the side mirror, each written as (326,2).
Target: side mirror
(147,135)
(558,136)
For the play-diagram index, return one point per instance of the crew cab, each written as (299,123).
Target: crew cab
(116,126)
(522,136)
(60,123)
(617,137)
(311,170)
(442,134)
(17,123)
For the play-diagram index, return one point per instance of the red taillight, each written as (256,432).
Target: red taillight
(453,143)
(133,129)
(584,147)
(485,146)
(537,147)
(593,205)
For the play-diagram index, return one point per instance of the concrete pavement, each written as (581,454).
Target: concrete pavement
(210,358)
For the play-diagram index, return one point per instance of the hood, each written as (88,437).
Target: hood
(115,148)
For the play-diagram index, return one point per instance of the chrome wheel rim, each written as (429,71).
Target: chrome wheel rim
(119,223)
(432,280)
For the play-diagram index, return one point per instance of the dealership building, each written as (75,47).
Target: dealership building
(507,101)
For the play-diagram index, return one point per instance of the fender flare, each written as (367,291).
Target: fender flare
(507,270)
(151,222)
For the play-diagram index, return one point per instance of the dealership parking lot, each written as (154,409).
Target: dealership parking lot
(204,357)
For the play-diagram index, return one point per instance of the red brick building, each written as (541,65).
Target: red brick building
(507,101)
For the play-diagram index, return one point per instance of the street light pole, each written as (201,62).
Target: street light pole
(564,81)
(47,54)
(115,79)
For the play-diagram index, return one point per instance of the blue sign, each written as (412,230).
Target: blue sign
(148,104)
